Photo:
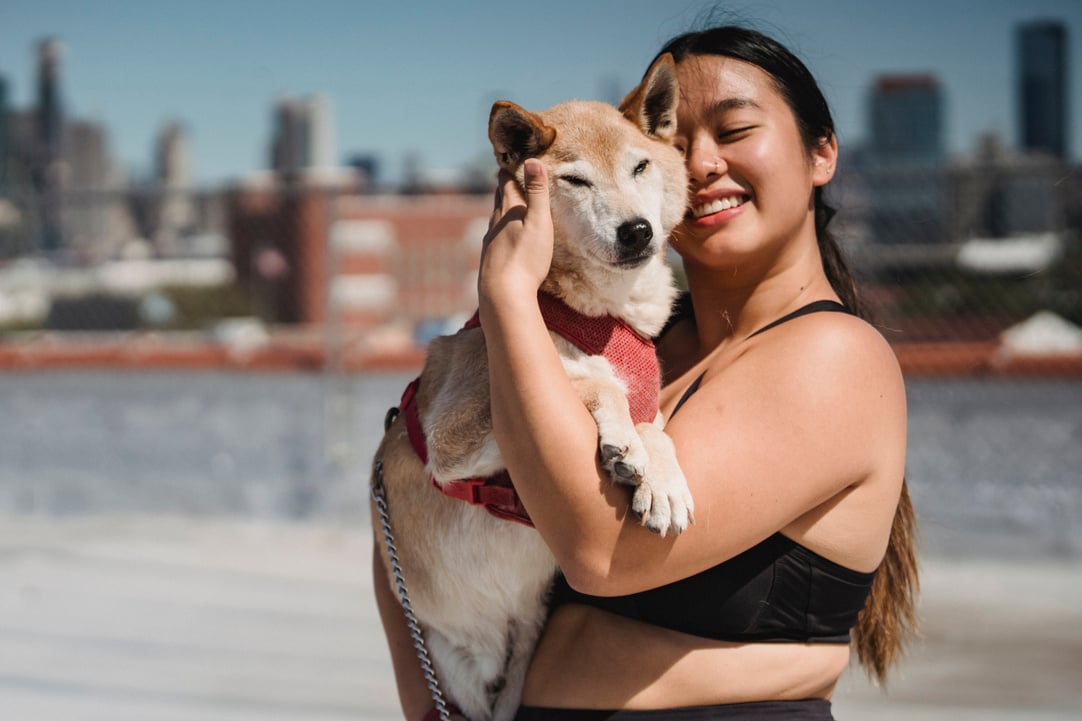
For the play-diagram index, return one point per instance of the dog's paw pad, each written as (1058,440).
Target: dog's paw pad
(611,453)
(619,462)
(626,473)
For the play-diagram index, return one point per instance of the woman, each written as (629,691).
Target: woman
(787,411)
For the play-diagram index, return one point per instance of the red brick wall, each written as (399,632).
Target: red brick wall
(430,258)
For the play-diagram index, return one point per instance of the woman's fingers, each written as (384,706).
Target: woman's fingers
(538,211)
(517,249)
(537,187)
(508,192)
(508,195)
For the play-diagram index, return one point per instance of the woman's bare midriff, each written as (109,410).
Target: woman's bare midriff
(591,659)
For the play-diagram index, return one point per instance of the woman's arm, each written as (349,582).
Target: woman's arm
(547,438)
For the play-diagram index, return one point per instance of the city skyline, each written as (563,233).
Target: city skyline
(228,115)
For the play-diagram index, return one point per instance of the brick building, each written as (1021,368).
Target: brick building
(313,255)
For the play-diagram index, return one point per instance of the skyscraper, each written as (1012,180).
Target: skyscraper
(303,135)
(906,114)
(50,122)
(904,169)
(176,209)
(5,137)
(1042,87)
(49,130)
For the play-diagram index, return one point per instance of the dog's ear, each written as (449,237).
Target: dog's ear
(517,134)
(652,105)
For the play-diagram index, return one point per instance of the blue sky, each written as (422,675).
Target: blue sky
(419,77)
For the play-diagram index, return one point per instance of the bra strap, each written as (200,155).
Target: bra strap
(817,306)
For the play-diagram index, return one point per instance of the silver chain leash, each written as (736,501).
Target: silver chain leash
(379,496)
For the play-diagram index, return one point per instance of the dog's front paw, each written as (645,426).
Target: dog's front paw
(662,500)
(664,507)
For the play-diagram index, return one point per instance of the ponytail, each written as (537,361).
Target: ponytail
(889,617)
(834,264)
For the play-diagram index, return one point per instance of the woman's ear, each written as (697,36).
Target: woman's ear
(824,160)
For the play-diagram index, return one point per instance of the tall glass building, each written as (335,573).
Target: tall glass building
(1042,87)
(907,118)
(904,168)
(5,136)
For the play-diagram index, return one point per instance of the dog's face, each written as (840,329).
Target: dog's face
(617,186)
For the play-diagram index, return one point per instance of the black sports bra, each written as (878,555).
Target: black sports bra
(776,590)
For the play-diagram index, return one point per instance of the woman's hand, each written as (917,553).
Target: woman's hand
(517,249)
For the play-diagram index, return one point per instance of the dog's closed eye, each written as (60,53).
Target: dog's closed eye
(577,181)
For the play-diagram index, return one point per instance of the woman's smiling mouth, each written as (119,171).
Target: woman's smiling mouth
(717,205)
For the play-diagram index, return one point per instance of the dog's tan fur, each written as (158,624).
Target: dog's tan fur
(477,583)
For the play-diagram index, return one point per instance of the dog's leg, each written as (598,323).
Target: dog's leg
(458,428)
(461,670)
(520,653)
(641,456)
(461,445)
(485,678)
(623,455)
(662,499)
(454,409)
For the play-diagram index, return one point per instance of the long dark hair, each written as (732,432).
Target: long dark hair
(889,615)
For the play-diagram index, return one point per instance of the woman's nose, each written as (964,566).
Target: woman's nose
(704,163)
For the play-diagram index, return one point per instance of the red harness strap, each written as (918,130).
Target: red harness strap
(495,493)
(632,357)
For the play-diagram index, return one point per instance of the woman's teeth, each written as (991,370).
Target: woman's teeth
(718,205)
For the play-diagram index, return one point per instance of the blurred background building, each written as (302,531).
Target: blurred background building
(903,167)
(1042,88)
(303,136)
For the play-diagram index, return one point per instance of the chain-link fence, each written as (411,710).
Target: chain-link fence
(963,253)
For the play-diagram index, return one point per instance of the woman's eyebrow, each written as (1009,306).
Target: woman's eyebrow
(736,103)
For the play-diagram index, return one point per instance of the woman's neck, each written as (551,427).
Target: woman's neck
(730,305)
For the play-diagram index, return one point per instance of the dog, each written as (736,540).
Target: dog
(477,581)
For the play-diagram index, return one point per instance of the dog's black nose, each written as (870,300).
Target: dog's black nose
(634,235)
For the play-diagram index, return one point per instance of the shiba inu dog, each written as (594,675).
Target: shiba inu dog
(477,581)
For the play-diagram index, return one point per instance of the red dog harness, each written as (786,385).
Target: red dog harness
(631,356)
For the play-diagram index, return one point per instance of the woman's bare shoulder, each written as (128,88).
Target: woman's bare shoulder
(828,385)
(828,352)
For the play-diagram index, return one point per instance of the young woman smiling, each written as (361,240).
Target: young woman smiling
(786,408)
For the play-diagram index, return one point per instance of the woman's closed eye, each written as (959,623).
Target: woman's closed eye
(734,133)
